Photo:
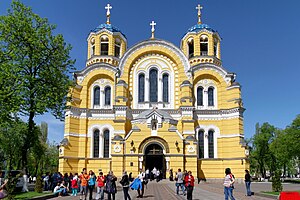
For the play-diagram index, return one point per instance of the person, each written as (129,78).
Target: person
(74,185)
(60,189)
(130,177)
(248,182)
(189,184)
(66,180)
(154,171)
(46,182)
(84,177)
(110,186)
(147,172)
(140,190)
(228,184)
(91,183)
(179,182)
(3,193)
(125,183)
(171,175)
(157,175)
(100,186)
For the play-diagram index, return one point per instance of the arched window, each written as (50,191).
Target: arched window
(200,96)
(96,144)
(165,80)
(204,45)
(153,85)
(211,153)
(117,47)
(97,96)
(210,96)
(104,45)
(191,47)
(141,88)
(215,47)
(201,144)
(107,93)
(106,144)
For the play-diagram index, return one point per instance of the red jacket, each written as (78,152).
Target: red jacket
(101,181)
(189,180)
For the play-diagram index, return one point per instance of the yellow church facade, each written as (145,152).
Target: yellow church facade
(155,105)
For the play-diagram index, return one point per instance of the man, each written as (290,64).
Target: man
(179,182)
(141,176)
(84,177)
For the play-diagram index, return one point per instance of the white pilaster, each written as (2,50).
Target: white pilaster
(101,146)
(147,90)
(102,99)
(206,144)
(160,90)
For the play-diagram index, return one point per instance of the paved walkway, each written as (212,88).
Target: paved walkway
(165,190)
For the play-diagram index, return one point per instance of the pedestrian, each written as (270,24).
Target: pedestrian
(154,171)
(3,192)
(84,177)
(189,184)
(100,186)
(110,187)
(66,180)
(91,183)
(228,184)
(74,185)
(179,177)
(125,183)
(157,175)
(140,190)
(46,182)
(147,172)
(171,175)
(248,182)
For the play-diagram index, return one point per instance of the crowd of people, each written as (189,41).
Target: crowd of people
(88,185)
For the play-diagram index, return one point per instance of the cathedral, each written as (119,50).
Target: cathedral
(155,105)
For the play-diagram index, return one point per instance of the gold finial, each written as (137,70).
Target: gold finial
(152,29)
(199,7)
(108,7)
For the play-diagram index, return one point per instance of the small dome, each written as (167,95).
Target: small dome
(199,27)
(118,137)
(190,138)
(108,27)
(121,82)
(186,82)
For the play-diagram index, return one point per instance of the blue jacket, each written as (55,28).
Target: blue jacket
(136,184)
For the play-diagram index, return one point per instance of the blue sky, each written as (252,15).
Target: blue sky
(260,43)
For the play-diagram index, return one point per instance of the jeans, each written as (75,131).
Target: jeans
(182,188)
(91,189)
(248,188)
(111,194)
(74,191)
(126,195)
(189,192)
(83,191)
(228,191)
(100,192)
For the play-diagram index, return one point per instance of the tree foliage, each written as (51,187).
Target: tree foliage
(34,69)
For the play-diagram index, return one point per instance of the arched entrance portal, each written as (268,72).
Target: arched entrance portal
(154,157)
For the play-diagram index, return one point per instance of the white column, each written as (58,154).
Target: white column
(102,99)
(147,88)
(205,98)
(160,86)
(205,144)
(101,146)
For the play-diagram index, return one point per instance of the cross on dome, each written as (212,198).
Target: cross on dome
(153,28)
(199,8)
(108,7)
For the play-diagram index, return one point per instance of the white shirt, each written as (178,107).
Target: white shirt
(147,171)
(141,176)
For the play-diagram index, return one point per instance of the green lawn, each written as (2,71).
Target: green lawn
(29,195)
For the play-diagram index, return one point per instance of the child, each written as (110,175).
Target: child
(74,186)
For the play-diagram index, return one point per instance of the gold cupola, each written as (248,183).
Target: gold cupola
(106,43)
(201,43)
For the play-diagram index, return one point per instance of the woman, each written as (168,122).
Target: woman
(91,183)
(228,184)
(2,192)
(125,183)
(189,184)
(100,186)
(110,187)
(248,182)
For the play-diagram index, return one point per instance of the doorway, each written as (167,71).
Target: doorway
(154,157)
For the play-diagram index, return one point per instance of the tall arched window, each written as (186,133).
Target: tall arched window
(141,88)
(153,85)
(97,96)
(96,144)
(104,45)
(211,153)
(200,96)
(201,144)
(191,48)
(106,144)
(204,45)
(117,47)
(165,80)
(107,93)
(210,96)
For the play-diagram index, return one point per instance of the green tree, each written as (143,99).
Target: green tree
(35,65)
